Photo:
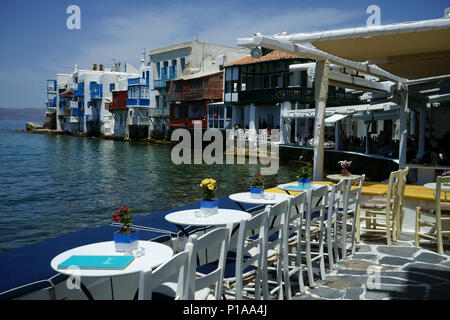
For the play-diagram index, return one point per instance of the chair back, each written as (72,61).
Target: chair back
(213,239)
(399,205)
(245,258)
(441,201)
(392,199)
(334,199)
(178,264)
(352,194)
(294,219)
(317,200)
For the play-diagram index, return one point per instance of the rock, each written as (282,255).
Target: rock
(430,258)
(31,127)
(396,261)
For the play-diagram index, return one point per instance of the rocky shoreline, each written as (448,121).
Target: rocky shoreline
(35,128)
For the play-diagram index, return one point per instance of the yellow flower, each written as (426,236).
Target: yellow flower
(212,181)
(210,186)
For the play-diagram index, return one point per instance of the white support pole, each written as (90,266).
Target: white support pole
(321,94)
(367,137)
(403,132)
(285,123)
(337,138)
(422,119)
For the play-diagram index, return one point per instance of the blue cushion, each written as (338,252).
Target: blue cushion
(230,268)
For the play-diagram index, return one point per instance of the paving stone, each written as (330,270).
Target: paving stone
(396,292)
(396,261)
(372,257)
(398,251)
(352,272)
(407,237)
(437,270)
(338,283)
(353,293)
(327,293)
(356,264)
(363,248)
(430,257)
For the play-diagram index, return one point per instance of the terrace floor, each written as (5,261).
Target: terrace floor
(405,272)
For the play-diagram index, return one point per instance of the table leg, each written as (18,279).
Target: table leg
(112,288)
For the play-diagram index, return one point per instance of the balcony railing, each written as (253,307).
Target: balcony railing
(303,95)
(138,82)
(138,102)
(160,83)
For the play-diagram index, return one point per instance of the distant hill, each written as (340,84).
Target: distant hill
(25,114)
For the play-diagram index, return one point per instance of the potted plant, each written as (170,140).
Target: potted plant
(344,164)
(125,239)
(257,186)
(304,176)
(208,205)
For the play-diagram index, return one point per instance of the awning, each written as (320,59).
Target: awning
(330,121)
(410,50)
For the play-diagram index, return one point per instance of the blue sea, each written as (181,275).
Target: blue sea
(55,184)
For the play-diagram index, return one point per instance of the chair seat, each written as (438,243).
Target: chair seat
(431,209)
(230,269)
(168,291)
(374,203)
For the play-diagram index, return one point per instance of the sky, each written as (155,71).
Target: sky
(36,43)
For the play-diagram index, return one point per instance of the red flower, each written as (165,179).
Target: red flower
(116,211)
(116,218)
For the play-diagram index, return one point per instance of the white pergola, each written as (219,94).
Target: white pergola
(404,56)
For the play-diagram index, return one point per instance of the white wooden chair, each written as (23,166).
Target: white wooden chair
(334,200)
(380,210)
(350,205)
(440,212)
(246,270)
(274,247)
(201,283)
(292,245)
(177,265)
(317,201)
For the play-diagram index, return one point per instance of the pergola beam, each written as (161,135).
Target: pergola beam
(316,54)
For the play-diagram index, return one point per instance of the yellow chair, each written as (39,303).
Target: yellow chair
(381,208)
(440,212)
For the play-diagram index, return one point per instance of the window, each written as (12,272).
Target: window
(183,63)
(112,87)
(144,92)
(219,116)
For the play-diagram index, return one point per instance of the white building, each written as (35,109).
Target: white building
(185,60)
(82,97)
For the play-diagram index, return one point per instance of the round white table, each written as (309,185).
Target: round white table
(269,198)
(223,217)
(296,188)
(154,254)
